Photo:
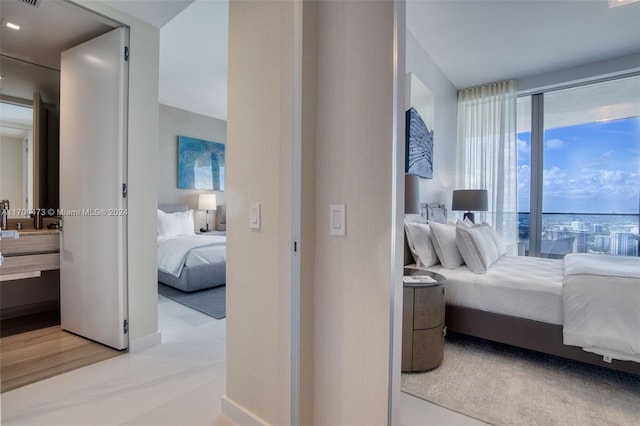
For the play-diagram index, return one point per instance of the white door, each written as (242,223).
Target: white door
(93,101)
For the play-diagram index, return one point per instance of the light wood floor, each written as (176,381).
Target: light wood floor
(39,354)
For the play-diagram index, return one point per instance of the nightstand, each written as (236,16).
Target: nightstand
(422,320)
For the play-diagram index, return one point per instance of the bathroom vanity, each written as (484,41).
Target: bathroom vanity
(33,251)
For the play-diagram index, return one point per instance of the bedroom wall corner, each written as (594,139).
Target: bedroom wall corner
(418,62)
(144,41)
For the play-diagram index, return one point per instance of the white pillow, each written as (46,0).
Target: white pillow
(175,224)
(502,247)
(443,237)
(477,247)
(419,241)
(466,222)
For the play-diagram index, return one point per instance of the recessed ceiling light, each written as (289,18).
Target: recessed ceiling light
(616,3)
(13,26)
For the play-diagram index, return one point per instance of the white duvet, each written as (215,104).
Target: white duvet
(601,304)
(172,251)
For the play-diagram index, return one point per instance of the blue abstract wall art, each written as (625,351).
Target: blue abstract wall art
(200,164)
(419,146)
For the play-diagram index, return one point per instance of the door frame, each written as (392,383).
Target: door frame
(397,215)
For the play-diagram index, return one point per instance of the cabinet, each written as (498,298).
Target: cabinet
(33,250)
(422,320)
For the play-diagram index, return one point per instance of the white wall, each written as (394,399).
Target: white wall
(176,122)
(347,154)
(354,166)
(11,172)
(142,163)
(419,63)
(259,155)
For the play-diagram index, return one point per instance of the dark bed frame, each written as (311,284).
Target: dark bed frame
(523,333)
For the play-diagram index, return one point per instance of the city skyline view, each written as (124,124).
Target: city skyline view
(588,168)
(591,188)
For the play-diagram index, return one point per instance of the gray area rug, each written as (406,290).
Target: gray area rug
(503,385)
(211,301)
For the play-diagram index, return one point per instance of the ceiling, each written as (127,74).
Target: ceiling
(154,12)
(40,39)
(473,42)
(193,51)
(478,42)
(193,59)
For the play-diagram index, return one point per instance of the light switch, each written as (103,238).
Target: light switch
(337,222)
(254,215)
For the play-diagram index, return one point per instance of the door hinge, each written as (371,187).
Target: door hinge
(126,53)
(125,326)
(125,190)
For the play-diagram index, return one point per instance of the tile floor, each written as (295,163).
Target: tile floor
(177,383)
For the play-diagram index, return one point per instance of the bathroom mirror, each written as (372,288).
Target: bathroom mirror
(16,156)
(28,135)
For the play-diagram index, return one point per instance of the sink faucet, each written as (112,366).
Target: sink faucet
(5,212)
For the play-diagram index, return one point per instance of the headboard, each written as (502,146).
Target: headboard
(173,208)
(220,218)
(433,213)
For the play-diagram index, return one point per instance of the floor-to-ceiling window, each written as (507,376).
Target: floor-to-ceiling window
(579,169)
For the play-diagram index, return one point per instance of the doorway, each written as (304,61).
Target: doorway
(192,112)
(31,302)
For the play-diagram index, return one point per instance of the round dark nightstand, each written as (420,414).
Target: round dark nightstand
(422,320)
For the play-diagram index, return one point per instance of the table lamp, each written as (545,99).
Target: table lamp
(470,199)
(207,202)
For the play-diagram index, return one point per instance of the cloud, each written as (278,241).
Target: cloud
(554,144)
(523,147)
(598,185)
(524,179)
(555,175)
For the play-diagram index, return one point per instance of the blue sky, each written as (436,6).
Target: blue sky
(588,168)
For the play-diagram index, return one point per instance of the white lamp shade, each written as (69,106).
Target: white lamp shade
(207,202)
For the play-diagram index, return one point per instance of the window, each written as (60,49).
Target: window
(587,170)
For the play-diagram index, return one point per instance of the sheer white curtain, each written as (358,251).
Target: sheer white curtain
(487,151)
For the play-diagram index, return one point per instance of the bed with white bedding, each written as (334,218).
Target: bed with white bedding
(520,286)
(584,307)
(188,261)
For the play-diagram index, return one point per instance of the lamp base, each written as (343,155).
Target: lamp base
(207,222)
(470,216)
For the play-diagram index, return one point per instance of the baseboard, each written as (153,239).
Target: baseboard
(238,414)
(145,342)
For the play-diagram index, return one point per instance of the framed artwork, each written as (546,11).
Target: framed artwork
(200,164)
(418,146)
